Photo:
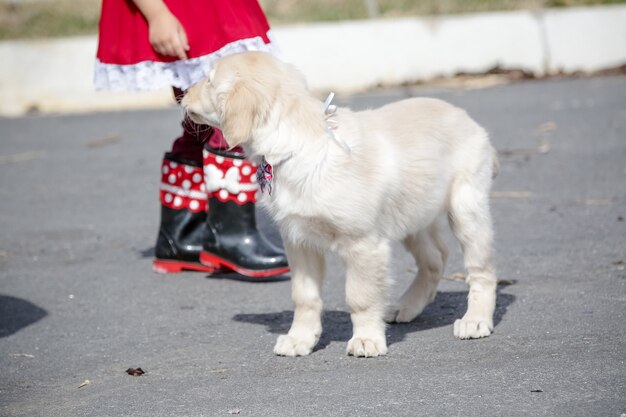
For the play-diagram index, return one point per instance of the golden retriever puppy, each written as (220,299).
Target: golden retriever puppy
(353,182)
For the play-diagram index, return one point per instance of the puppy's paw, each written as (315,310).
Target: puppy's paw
(367,347)
(287,345)
(403,314)
(473,327)
(410,306)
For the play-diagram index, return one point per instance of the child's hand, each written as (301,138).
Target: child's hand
(167,35)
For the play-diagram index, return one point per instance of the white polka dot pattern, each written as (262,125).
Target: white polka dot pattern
(182,187)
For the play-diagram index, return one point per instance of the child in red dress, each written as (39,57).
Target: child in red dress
(208,193)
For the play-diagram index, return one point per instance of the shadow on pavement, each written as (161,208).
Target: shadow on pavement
(234,276)
(224,274)
(15,314)
(447,307)
(147,253)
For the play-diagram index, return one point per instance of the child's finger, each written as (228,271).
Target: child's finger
(183,38)
(179,50)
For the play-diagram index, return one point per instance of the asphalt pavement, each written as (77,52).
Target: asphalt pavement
(79,304)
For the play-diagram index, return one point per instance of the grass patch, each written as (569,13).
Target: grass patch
(54,18)
(48,18)
(301,11)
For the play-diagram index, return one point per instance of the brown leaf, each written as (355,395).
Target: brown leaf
(135,371)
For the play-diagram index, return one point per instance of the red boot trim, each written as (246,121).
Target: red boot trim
(182,187)
(162,266)
(230,179)
(210,259)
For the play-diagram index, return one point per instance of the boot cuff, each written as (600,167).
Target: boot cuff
(182,186)
(230,178)
(180,160)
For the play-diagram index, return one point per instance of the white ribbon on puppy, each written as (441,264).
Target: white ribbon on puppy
(330,111)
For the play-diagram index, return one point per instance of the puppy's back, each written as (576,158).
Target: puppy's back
(428,129)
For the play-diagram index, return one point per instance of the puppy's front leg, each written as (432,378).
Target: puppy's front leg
(307,268)
(367,286)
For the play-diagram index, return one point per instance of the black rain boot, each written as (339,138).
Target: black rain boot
(183,217)
(233,240)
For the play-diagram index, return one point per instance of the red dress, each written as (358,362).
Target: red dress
(126,60)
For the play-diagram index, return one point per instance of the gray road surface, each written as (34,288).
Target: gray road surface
(78,301)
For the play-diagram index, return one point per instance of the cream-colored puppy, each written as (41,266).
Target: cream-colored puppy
(353,182)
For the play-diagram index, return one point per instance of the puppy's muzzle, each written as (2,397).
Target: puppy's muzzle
(194,117)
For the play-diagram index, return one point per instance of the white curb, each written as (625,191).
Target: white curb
(357,55)
(585,39)
(56,75)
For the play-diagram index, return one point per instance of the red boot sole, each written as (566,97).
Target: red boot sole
(161,266)
(216,262)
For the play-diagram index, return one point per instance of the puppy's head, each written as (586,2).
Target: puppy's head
(239,94)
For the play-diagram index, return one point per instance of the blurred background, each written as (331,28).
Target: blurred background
(55,18)
(339,45)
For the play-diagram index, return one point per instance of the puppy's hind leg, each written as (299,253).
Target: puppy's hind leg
(367,286)
(430,255)
(307,267)
(470,220)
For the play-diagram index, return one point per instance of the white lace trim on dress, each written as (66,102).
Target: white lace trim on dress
(152,75)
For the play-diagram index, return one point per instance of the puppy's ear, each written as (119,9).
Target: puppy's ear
(243,109)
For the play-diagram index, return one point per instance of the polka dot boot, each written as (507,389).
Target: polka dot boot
(233,241)
(183,217)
